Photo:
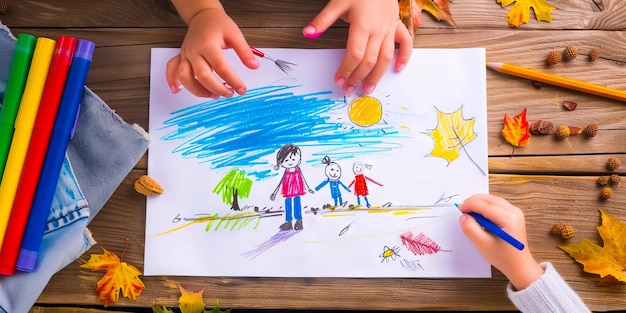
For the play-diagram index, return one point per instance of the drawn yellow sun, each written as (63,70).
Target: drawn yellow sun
(365,111)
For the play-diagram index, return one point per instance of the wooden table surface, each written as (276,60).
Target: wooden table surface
(554,181)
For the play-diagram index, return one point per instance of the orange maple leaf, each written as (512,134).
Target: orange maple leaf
(520,12)
(516,131)
(119,276)
(411,12)
(609,261)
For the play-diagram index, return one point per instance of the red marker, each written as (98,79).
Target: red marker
(55,83)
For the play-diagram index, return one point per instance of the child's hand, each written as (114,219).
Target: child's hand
(518,266)
(375,27)
(201,65)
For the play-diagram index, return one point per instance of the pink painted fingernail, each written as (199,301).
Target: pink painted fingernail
(369,88)
(176,88)
(401,67)
(310,32)
(340,81)
(349,89)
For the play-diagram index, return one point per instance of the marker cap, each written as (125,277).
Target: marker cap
(84,49)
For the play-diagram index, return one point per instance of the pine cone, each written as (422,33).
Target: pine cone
(562,131)
(591,130)
(613,163)
(554,57)
(567,232)
(606,193)
(570,52)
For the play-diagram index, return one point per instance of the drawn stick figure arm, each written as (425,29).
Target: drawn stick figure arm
(373,181)
(320,186)
(278,187)
(344,187)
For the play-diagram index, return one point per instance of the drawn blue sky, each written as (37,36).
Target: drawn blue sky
(245,132)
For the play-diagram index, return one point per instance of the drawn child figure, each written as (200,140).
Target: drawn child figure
(293,185)
(360,182)
(333,173)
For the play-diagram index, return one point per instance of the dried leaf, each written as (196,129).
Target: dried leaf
(119,276)
(190,302)
(411,12)
(516,131)
(520,12)
(608,261)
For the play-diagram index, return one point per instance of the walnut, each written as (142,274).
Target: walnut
(147,186)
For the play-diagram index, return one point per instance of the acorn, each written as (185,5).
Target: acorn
(594,54)
(553,57)
(606,193)
(567,232)
(562,131)
(591,130)
(613,163)
(603,181)
(570,52)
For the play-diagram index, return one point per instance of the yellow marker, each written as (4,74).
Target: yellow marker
(24,123)
(557,80)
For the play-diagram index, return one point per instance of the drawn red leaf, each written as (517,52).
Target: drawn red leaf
(420,244)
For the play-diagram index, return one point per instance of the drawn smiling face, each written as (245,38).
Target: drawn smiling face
(358,168)
(333,171)
(291,161)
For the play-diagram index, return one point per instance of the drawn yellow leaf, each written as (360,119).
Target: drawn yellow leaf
(451,134)
(520,12)
(119,276)
(608,261)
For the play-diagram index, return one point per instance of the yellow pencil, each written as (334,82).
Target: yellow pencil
(557,80)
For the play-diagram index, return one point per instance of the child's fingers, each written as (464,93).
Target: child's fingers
(475,233)
(405,46)
(171,74)
(323,20)
(385,56)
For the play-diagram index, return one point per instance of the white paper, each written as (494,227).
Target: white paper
(427,147)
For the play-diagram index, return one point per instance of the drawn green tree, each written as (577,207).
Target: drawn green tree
(232,187)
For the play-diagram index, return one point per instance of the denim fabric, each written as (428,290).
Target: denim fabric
(99,156)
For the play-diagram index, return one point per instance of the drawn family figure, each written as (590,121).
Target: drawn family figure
(360,182)
(292,185)
(333,174)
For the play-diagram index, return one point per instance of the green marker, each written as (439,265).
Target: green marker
(18,73)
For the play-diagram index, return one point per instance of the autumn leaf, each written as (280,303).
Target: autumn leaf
(608,261)
(451,135)
(516,131)
(420,244)
(411,12)
(190,302)
(119,276)
(520,12)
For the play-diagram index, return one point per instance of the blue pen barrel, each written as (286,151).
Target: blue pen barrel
(61,134)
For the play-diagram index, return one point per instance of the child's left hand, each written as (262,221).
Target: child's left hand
(375,28)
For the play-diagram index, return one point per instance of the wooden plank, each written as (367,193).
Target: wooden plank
(478,14)
(570,200)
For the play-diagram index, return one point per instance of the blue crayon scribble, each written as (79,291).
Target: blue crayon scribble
(243,131)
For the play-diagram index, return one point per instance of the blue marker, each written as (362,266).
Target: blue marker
(494,229)
(61,134)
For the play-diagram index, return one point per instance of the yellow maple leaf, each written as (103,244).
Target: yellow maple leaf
(119,276)
(608,261)
(520,12)
(190,302)
(451,135)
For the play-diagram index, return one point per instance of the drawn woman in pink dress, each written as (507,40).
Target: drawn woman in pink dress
(360,182)
(292,185)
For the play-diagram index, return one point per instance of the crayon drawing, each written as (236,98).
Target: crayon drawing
(296,179)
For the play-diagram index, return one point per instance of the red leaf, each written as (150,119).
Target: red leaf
(420,244)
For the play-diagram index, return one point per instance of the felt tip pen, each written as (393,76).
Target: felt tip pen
(24,123)
(16,81)
(494,229)
(61,134)
(36,153)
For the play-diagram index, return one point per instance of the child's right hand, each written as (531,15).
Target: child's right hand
(201,65)
(518,266)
